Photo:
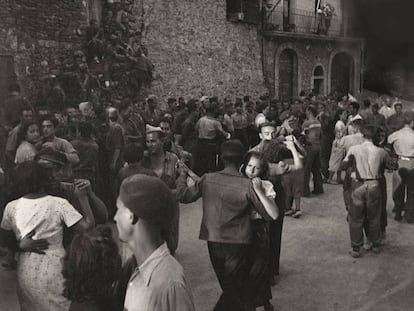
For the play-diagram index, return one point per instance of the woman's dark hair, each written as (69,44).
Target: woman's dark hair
(52,119)
(30,177)
(21,135)
(258,155)
(91,267)
(275,151)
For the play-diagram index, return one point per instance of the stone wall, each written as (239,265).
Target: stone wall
(310,52)
(40,35)
(196,51)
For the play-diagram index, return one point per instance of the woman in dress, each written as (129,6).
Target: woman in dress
(40,217)
(29,137)
(337,150)
(255,167)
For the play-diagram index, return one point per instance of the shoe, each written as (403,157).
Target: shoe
(398,216)
(317,192)
(367,245)
(297,214)
(268,306)
(376,249)
(383,237)
(332,182)
(355,253)
(289,212)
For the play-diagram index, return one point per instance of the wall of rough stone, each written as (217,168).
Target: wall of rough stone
(40,35)
(196,51)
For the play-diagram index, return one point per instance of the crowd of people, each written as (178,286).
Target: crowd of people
(68,175)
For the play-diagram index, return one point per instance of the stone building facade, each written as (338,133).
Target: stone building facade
(35,38)
(224,48)
(306,48)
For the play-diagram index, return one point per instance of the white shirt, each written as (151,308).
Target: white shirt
(403,142)
(159,284)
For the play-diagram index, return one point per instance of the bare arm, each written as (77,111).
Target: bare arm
(268,203)
(88,220)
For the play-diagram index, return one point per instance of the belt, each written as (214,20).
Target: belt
(368,179)
(404,158)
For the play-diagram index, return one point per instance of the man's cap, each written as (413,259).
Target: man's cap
(152,129)
(53,156)
(148,198)
(232,148)
(260,119)
(203,98)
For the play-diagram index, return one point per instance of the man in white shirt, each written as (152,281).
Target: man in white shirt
(402,142)
(145,206)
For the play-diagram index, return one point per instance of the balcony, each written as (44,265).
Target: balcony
(307,24)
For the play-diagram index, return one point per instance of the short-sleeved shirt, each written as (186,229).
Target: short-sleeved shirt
(46,215)
(403,142)
(208,127)
(169,173)
(239,120)
(312,129)
(351,140)
(159,284)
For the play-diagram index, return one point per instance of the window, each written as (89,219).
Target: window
(319,80)
(245,11)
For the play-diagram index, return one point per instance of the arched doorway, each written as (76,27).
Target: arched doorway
(288,74)
(342,74)
(318,78)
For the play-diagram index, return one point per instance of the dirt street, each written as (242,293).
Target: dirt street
(317,274)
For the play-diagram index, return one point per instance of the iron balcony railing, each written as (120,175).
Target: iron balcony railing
(305,22)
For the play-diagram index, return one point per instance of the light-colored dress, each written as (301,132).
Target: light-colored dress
(337,152)
(269,192)
(25,152)
(39,277)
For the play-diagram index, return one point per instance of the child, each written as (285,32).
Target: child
(255,167)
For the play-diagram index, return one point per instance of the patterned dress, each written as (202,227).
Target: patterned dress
(39,277)
(337,152)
